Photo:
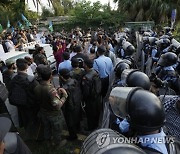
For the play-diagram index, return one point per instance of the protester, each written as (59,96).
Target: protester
(91,90)
(72,107)
(50,107)
(9,73)
(21,94)
(40,57)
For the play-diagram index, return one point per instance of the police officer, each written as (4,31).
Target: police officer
(103,65)
(129,78)
(120,67)
(146,117)
(165,70)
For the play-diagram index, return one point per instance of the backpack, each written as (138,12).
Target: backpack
(18,94)
(91,85)
(5,47)
(74,95)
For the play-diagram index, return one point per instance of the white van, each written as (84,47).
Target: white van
(14,55)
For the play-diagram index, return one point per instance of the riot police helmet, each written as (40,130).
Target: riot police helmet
(167,59)
(145,111)
(152,40)
(138,79)
(128,48)
(120,67)
(120,40)
(163,41)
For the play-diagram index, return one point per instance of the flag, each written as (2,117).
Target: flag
(50,26)
(12,29)
(20,25)
(8,24)
(28,23)
(173,15)
(1,28)
(23,18)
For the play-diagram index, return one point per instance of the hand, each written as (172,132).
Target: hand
(53,91)
(61,90)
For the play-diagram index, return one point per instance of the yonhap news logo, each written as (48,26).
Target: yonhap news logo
(104,139)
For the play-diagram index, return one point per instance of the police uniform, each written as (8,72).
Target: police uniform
(103,65)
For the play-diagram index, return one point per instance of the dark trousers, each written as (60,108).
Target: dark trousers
(104,86)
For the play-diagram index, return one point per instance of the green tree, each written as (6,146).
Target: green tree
(58,8)
(67,5)
(46,13)
(157,10)
(86,14)
(12,11)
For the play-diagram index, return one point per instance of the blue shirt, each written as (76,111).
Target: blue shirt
(123,125)
(65,64)
(103,65)
(161,147)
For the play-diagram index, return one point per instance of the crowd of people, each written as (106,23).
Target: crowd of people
(99,80)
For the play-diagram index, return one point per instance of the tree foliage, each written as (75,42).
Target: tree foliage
(12,11)
(143,10)
(46,13)
(95,14)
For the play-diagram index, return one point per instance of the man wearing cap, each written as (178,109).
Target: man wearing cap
(11,143)
(50,101)
(9,73)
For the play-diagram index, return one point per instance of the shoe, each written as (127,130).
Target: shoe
(71,138)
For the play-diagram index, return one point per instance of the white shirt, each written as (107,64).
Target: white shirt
(29,71)
(10,45)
